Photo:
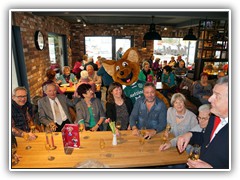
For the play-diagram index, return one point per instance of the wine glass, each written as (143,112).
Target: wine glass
(14,156)
(141,141)
(166,133)
(143,131)
(81,128)
(195,152)
(118,126)
(32,130)
(26,137)
(48,148)
(168,128)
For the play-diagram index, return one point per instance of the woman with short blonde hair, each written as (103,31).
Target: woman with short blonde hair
(179,118)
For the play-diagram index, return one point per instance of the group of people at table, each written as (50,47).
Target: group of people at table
(148,111)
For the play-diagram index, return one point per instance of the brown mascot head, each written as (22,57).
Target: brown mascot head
(124,71)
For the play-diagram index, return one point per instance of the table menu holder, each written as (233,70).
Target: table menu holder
(70,137)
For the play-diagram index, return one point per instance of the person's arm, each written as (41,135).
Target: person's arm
(42,115)
(183,141)
(197,90)
(80,113)
(133,119)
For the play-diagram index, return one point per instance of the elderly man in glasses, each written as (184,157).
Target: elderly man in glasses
(203,118)
(21,112)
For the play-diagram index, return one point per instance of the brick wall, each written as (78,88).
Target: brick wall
(137,31)
(37,61)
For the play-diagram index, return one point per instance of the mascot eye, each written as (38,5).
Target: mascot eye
(124,64)
(117,68)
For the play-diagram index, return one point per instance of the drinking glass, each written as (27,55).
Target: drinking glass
(32,130)
(195,152)
(166,133)
(118,125)
(141,142)
(81,128)
(14,156)
(26,137)
(49,145)
(48,148)
(143,131)
(168,128)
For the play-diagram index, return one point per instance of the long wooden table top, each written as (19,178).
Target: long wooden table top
(125,154)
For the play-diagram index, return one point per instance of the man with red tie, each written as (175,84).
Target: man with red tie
(215,141)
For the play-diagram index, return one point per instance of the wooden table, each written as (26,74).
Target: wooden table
(69,89)
(126,154)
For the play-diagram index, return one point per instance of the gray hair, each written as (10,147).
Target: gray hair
(222,80)
(91,163)
(177,96)
(17,89)
(204,107)
(48,84)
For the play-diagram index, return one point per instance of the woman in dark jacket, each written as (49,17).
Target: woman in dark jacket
(118,107)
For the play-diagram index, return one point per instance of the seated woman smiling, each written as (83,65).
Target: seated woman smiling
(180,119)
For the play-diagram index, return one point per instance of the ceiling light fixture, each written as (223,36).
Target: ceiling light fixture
(79,20)
(152,34)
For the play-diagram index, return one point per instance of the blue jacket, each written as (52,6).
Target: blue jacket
(155,119)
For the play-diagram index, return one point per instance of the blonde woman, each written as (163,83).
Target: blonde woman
(145,71)
(180,119)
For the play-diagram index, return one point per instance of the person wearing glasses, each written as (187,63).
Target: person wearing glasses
(90,112)
(203,118)
(214,141)
(21,112)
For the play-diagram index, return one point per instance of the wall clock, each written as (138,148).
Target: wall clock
(39,40)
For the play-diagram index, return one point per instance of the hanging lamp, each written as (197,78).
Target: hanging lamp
(152,34)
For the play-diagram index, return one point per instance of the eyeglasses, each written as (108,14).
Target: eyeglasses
(21,97)
(202,118)
(90,90)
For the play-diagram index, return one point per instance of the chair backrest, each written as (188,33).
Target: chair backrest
(186,86)
(72,113)
(163,98)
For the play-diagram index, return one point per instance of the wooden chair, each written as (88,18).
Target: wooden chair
(163,98)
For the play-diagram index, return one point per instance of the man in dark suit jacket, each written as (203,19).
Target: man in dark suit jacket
(46,109)
(215,141)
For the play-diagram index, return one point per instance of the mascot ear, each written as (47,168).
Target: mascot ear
(132,55)
(109,65)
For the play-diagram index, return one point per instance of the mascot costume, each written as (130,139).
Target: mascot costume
(125,71)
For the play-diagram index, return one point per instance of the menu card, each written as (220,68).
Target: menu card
(70,136)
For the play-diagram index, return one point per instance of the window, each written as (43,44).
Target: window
(98,46)
(168,47)
(106,46)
